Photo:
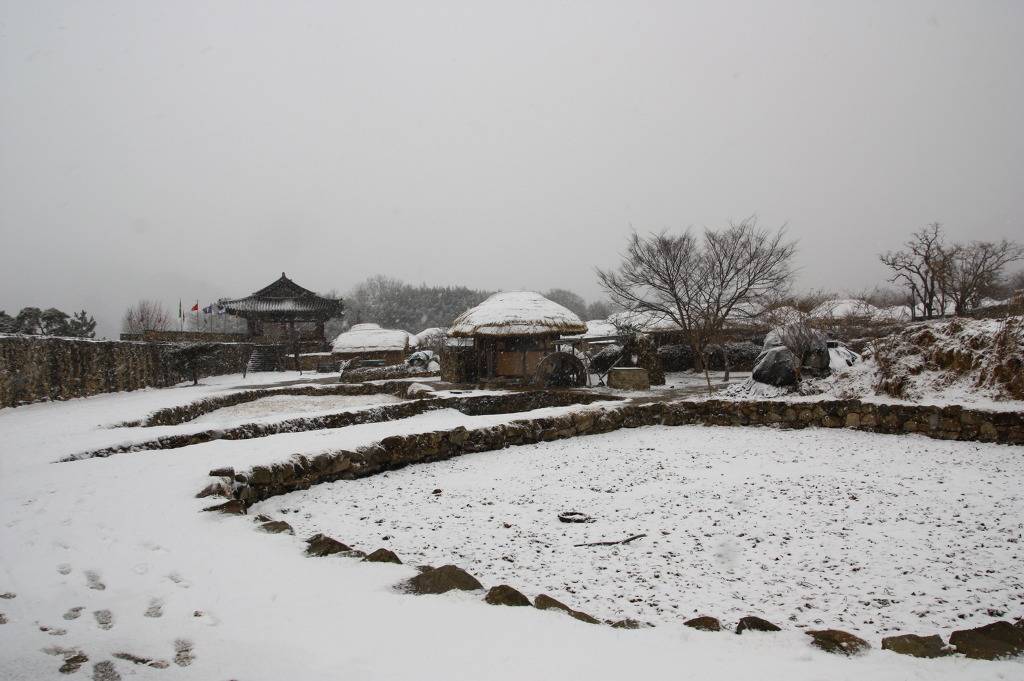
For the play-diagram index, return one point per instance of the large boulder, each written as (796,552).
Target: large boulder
(815,361)
(442,580)
(838,642)
(776,366)
(990,642)
(916,646)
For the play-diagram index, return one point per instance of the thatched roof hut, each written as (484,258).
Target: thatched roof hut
(506,337)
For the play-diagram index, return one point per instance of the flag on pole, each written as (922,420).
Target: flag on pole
(195,308)
(181,311)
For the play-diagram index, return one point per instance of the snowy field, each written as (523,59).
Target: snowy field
(868,533)
(277,407)
(112,557)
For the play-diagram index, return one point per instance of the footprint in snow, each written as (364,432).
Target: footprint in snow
(74,613)
(3,618)
(105,671)
(104,618)
(183,656)
(179,580)
(64,569)
(73,658)
(155,609)
(52,631)
(7,595)
(92,579)
(138,659)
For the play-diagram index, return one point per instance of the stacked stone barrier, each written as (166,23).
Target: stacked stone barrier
(477,405)
(301,471)
(37,368)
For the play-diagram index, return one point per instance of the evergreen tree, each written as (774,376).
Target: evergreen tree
(30,321)
(8,324)
(82,325)
(54,322)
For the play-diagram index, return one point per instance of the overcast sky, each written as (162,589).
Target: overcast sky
(198,149)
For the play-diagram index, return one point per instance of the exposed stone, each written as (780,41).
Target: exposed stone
(838,642)
(7,595)
(441,580)
(214,489)
(234,507)
(704,623)
(916,646)
(752,623)
(990,642)
(321,545)
(545,602)
(503,594)
(226,472)
(383,556)
(776,366)
(629,378)
(277,527)
(626,623)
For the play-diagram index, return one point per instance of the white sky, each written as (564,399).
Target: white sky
(197,149)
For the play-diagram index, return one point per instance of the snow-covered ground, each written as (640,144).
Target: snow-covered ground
(274,407)
(795,526)
(219,600)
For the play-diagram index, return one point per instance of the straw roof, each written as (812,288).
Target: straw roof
(516,313)
(597,328)
(371,338)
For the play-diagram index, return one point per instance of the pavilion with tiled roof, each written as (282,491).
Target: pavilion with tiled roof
(284,304)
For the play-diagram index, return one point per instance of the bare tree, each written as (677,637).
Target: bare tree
(146,315)
(921,267)
(974,270)
(800,339)
(700,282)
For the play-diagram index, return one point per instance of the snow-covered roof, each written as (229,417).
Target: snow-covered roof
(283,297)
(371,338)
(432,334)
(642,321)
(840,308)
(783,315)
(516,313)
(888,315)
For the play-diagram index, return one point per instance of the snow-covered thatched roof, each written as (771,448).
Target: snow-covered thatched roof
(371,338)
(596,328)
(516,313)
(646,322)
(427,336)
(892,315)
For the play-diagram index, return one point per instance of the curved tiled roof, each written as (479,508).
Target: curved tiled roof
(283,298)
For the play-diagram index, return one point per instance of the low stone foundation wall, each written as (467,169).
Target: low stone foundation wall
(173,416)
(36,368)
(471,405)
(301,472)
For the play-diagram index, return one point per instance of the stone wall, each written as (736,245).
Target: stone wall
(473,405)
(35,368)
(300,472)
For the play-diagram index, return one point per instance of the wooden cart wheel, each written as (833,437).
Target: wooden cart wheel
(561,370)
